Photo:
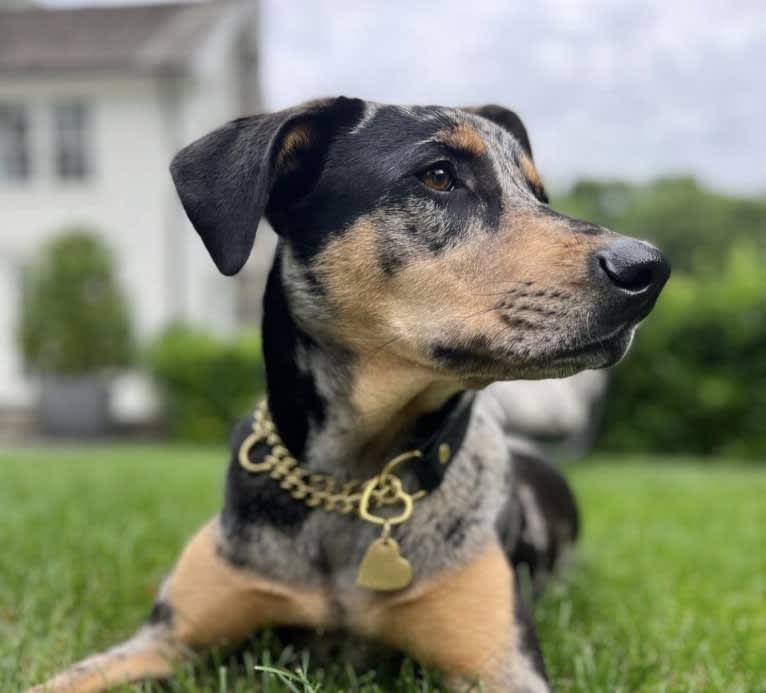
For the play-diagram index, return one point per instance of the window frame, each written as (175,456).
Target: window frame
(22,170)
(71,150)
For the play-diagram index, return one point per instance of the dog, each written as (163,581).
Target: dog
(375,494)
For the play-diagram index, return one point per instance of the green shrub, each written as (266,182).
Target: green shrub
(207,382)
(74,318)
(695,381)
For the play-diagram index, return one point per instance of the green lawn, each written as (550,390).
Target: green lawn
(668,592)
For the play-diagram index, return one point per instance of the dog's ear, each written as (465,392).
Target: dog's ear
(507,120)
(229,179)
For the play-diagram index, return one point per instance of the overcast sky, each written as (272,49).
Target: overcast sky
(606,87)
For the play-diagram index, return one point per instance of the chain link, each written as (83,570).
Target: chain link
(318,490)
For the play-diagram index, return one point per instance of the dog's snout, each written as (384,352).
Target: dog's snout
(633,267)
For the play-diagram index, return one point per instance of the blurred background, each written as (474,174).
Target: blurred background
(125,357)
(646,117)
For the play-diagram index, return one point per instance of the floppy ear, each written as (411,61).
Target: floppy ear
(227,179)
(507,120)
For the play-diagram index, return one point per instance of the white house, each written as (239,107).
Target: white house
(94,102)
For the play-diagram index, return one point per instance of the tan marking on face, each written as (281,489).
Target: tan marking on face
(374,312)
(460,622)
(350,271)
(461,282)
(530,172)
(546,251)
(465,138)
(458,287)
(214,602)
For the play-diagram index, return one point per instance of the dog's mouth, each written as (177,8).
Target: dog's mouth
(602,352)
(538,355)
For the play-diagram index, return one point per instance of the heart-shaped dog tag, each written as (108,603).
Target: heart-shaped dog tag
(383,569)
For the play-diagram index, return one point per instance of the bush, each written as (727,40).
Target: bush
(74,318)
(695,381)
(207,382)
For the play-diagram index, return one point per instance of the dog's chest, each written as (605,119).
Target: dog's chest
(447,527)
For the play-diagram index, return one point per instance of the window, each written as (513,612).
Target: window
(71,123)
(14,143)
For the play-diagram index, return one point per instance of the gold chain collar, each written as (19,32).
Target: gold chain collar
(382,568)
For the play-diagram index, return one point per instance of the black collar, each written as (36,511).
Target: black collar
(439,436)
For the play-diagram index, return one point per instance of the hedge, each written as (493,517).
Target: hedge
(695,382)
(207,382)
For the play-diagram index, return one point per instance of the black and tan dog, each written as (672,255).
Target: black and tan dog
(418,262)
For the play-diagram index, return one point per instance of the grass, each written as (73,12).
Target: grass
(668,592)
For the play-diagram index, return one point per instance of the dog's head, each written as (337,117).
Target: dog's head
(421,231)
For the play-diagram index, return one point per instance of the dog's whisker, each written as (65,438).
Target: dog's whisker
(492,293)
(511,286)
(464,318)
(384,345)
(526,282)
(503,328)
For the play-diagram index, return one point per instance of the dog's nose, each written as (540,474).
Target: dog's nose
(633,266)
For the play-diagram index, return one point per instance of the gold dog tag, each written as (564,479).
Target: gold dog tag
(383,569)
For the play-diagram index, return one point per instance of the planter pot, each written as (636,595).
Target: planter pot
(76,406)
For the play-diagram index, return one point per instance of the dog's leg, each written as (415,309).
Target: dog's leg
(548,517)
(466,625)
(205,602)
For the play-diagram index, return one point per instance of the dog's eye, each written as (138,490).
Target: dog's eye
(438,177)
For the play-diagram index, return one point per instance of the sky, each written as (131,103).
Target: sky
(608,88)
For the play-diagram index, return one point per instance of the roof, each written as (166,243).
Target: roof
(139,36)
